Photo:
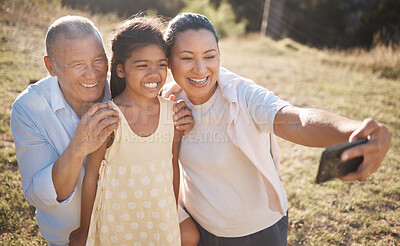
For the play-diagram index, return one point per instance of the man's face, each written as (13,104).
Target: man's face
(81,68)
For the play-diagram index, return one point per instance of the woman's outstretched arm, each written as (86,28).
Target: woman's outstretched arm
(319,128)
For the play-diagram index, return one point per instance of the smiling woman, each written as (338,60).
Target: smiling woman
(195,64)
(231,184)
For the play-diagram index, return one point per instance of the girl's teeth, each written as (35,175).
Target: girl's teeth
(151,85)
(89,85)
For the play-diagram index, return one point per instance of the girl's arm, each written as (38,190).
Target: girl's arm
(176,145)
(89,187)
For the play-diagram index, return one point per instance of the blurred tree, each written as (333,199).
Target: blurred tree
(316,22)
(222,17)
(251,11)
(322,23)
(271,24)
(380,23)
(264,23)
(126,8)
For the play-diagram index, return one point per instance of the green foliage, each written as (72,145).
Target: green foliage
(17,226)
(126,8)
(222,17)
(8,157)
(251,11)
(4,122)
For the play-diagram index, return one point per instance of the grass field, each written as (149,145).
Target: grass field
(334,213)
(356,84)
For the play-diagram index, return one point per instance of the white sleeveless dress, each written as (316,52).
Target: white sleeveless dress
(135,202)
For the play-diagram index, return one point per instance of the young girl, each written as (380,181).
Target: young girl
(136,171)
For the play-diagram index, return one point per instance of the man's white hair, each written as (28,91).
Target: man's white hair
(70,27)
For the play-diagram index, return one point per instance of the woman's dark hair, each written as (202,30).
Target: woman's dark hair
(136,32)
(184,22)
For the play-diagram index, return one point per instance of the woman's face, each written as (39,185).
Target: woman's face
(194,64)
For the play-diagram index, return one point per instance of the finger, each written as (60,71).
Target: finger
(108,130)
(186,128)
(172,98)
(359,150)
(97,106)
(179,105)
(183,121)
(183,113)
(367,127)
(107,121)
(185,124)
(361,174)
(99,129)
(103,135)
(93,110)
(353,176)
(90,124)
(102,114)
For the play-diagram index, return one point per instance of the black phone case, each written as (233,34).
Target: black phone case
(331,166)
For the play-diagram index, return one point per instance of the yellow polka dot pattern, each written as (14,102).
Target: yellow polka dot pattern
(135,203)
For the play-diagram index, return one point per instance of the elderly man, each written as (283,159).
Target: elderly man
(61,119)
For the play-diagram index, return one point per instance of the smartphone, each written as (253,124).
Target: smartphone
(330,165)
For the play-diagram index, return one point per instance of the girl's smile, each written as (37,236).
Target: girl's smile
(145,72)
(152,86)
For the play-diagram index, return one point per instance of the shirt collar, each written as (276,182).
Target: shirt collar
(57,100)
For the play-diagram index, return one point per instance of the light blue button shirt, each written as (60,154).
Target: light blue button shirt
(43,125)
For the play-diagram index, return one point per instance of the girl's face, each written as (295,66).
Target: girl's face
(145,71)
(194,64)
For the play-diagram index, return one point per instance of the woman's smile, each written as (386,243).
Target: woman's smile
(195,63)
(199,82)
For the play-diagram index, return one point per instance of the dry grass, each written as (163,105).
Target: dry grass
(381,60)
(334,213)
